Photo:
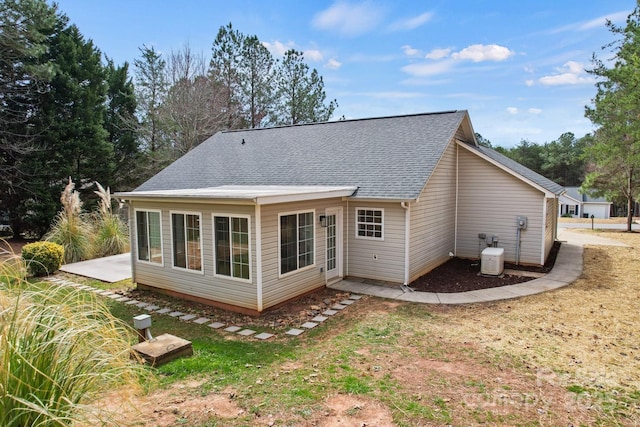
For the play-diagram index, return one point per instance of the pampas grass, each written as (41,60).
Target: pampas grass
(111,235)
(60,348)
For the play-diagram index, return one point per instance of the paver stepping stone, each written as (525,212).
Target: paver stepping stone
(330,312)
(263,336)
(114,296)
(319,319)
(309,325)
(105,293)
(97,291)
(123,299)
(233,329)
(338,307)
(131,302)
(83,287)
(152,307)
(188,317)
(246,332)
(347,302)
(201,320)
(163,311)
(216,325)
(176,314)
(142,304)
(295,332)
(355,297)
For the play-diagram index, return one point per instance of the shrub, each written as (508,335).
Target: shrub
(71,228)
(61,349)
(567,215)
(42,258)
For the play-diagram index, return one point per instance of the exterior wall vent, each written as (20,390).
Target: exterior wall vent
(492,261)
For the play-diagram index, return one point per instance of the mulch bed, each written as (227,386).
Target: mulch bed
(462,275)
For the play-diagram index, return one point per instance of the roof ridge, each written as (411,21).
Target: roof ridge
(363,119)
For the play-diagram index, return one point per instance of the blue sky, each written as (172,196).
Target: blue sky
(517,66)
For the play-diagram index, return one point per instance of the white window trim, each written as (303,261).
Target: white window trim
(199,214)
(135,220)
(377,239)
(213,235)
(315,239)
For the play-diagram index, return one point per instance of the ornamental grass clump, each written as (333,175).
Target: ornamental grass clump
(111,235)
(71,228)
(60,349)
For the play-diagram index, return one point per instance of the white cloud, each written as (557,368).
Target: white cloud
(571,73)
(601,21)
(348,19)
(429,69)
(409,51)
(512,110)
(438,53)
(333,64)
(528,69)
(411,23)
(480,53)
(535,111)
(529,82)
(313,55)
(278,48)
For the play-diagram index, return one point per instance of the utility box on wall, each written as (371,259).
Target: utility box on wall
(492,261)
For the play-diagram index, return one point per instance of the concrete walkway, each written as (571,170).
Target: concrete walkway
(108,269)
(567,269)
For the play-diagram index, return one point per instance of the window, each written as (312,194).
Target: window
(369,223)
(296,241)
(187,247)
(149,236)
(231,240)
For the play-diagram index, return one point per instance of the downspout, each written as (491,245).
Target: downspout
(455,225)
(258,228)
(407,223)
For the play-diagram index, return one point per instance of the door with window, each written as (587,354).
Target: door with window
(334,244)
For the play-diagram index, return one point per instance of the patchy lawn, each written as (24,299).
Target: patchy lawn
(568,357)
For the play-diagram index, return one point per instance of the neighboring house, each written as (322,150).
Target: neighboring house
(250,219)
(579,205)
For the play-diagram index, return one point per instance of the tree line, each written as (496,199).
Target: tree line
(67,110)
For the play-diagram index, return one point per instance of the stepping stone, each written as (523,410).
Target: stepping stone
(329,312)
(131,302)
(295,332)
(188,317)
(246,332)
(105,293)
(176,313)
(338,307)
(114,296)
(319,319)
(216,325)
(142,304)
(355,297)
(201,320)
(163,311)
(309,325)
(347,302)
(233,329)
(83,287)
(152,307)
(97,291)
(263,336)
(123,299)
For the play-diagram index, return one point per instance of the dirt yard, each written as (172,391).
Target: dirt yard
(565,358)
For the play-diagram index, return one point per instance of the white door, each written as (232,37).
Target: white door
(334,243)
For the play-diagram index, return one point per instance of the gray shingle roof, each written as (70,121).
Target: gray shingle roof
(575,193)
(388,157)
(527,173)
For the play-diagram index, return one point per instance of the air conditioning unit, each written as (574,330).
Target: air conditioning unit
(492,261)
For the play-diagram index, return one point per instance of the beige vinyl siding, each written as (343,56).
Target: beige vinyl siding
(275,288)
(433,218)
(200,284)
(373,258)
(549,226)
(489,200)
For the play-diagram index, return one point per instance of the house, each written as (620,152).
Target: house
(580,205)
(250,219)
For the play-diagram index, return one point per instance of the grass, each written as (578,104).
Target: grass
(539,360)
